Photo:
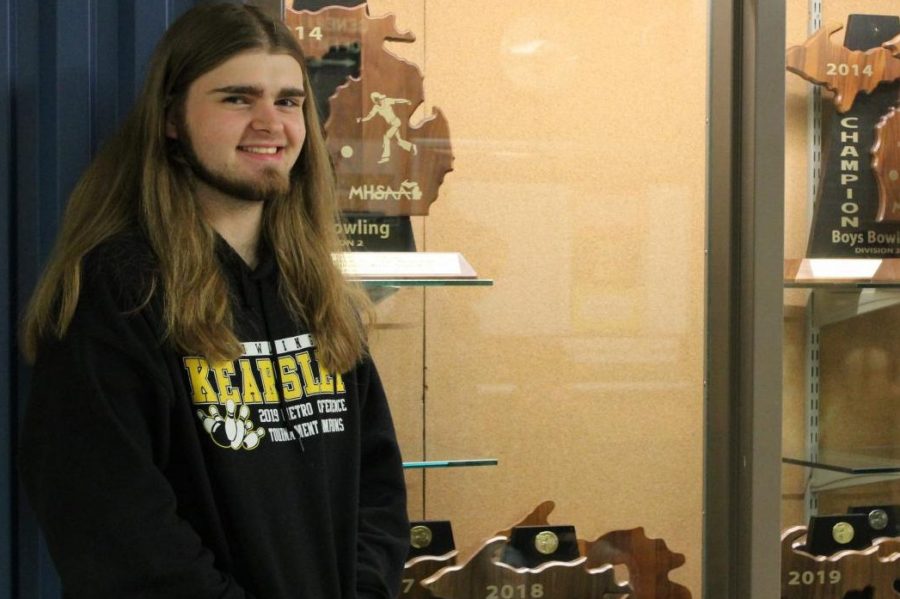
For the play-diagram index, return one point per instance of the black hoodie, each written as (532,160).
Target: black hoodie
(158,474)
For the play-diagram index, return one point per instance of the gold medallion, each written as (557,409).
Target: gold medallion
(420,536)
(546,542)
(843,532)
(878,519)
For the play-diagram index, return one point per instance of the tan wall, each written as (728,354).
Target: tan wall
(579,187)
(860,374)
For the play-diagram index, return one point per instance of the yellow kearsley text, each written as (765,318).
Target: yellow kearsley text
(222,372)
(201,388)
(290,382)
(218,383)
(249,389)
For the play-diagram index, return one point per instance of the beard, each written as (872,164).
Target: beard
(270,185)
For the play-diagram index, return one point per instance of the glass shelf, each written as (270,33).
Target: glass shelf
(424,282)
(867,461)
(380,289)
(842,273)
(451,463)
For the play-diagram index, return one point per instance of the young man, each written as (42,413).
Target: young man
(204,419)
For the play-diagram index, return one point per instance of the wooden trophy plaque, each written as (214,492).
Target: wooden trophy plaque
(421,568)
(385,163)
(431,548)
(857,209)
(484,576)
(886,164)
(841,70)
(649,562)
(807,576)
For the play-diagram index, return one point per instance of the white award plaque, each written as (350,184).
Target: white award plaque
(404,265)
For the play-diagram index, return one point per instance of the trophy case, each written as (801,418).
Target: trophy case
(571,365)
(841,409)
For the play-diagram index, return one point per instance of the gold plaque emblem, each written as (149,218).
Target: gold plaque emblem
(546,542)
(843,532)
(878,519)
(420,536)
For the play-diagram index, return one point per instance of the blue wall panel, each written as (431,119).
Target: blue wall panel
(34,174)
(106,104)
(72,116)
(6,308)
(69,72)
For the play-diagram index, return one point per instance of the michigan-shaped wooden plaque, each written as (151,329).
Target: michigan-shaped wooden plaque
(484,576)
(385,162)
(649,562)
(855,213)
(886,164)
(420,568)
(807,576)
(842,71)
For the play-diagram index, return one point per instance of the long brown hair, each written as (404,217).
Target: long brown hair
(138,181)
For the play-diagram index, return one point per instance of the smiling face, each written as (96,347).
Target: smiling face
(242,128)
